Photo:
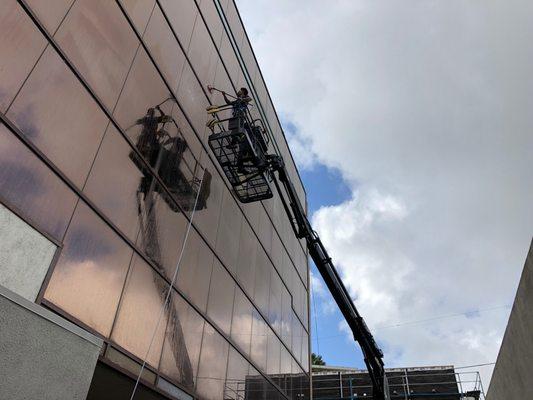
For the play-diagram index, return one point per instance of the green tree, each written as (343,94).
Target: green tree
(317,359)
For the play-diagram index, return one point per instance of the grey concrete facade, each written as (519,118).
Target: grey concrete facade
(43,356)
(512,378)
(25,255)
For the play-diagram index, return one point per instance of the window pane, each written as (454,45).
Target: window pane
(101,44)
(164,48)
(229,232)
(182,16)
(221,294)
(183,337)
(212,368)
(139,12)
(236,377)
(162,230)
(202,53)
(143,90)
(259,340)
(21,44)
(274,313)
(273,354)
(262,281)
(138,315)
(50,13)
(114,183)
(246,259)
(207,219)
(241,325)
(69,128)
(90,273)
(194,273)
(193,100)
(26,182)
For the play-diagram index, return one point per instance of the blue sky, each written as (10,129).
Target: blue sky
(411,126)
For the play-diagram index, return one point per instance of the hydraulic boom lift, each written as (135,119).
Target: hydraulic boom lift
(240,145)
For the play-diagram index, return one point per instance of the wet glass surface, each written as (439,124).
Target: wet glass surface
(138,327)
(28,184)
(68,129)
(90,273)
(212,368)
(17,32)
(99,41)
(183,337)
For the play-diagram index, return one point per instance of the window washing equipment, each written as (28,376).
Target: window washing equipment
(240,145)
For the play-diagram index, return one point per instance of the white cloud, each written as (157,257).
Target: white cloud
(425,108)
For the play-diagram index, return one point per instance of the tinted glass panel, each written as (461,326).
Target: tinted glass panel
(212,368)
(142,91)
(221,294)
(164,47)
(241,326)
(114,183)
(194,274)
(138,319)
(181,349)
(259,340)
(182,16)
(69,128)
(99,41)
(202,53)
(139,12)
(193,100)
(262,281)
(20,46)
(162,230)
(229,232)
(207,219)
(50,13)
(246,259)
(236,377)
(26,182)
(89,276)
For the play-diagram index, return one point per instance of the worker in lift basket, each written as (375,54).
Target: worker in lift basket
(241,101)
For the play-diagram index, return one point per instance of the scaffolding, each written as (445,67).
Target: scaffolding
(442,383)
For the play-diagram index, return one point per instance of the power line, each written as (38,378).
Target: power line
(476,365)
(421,321)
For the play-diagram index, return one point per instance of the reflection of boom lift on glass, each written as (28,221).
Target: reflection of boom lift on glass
(240,145)
(177,167)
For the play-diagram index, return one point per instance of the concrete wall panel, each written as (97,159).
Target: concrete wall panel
(512,378)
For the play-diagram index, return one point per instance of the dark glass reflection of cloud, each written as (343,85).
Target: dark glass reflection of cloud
(87,244)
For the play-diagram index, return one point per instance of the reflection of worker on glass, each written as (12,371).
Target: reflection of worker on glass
(162,149)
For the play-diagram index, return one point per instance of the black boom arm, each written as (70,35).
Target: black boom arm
(372,353)
(240,147)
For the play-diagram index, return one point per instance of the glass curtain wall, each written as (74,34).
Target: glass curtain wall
(103,146)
